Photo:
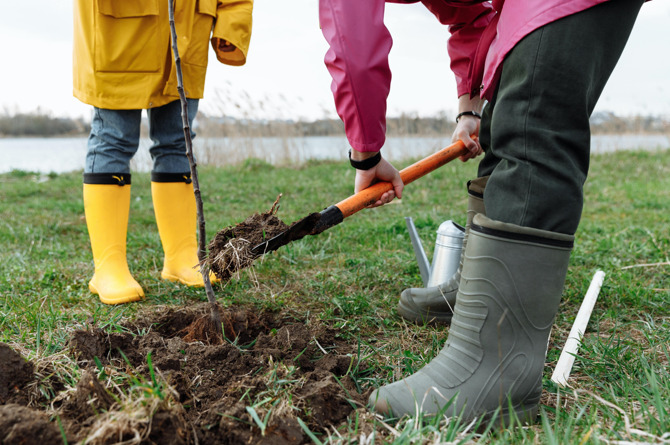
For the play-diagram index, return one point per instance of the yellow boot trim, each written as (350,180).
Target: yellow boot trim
(176,218)
(107,207)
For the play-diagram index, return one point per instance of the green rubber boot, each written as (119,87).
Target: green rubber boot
(511,286)
(436,304)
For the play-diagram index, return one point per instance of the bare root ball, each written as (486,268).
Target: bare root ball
(204,329)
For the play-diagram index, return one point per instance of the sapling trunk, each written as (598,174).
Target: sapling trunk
(202,253)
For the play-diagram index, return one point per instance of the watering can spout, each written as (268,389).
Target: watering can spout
(421,258)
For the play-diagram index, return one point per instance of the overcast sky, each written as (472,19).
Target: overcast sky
(285,76)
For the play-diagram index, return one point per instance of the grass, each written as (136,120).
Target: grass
(350,276)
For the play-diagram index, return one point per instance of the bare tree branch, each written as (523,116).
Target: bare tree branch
(202,249)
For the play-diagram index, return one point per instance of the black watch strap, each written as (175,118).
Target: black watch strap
(467,113)
(366,164)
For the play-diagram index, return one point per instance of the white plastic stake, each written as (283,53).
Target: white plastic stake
(567,358)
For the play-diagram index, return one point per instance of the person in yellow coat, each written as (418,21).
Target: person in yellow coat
(123,64)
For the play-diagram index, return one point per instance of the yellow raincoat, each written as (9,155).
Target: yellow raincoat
(123,55)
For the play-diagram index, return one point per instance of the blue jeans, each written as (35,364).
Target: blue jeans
(115,138)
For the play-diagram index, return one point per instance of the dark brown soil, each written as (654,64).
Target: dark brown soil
(231,248)
(22,425)
(15,373)
(207,389)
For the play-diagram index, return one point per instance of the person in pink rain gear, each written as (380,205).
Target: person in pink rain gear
(528,76)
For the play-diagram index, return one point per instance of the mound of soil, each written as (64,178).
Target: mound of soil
(291,369)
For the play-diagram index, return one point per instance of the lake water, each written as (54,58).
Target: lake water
(59,155)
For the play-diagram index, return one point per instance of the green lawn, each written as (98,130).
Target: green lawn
(350,276)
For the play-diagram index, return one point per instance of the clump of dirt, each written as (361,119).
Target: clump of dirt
(231,248)
(23,425)
(96,343)
(89,398)
(153,384)
(15,373)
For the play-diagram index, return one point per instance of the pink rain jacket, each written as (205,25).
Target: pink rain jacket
(482,33)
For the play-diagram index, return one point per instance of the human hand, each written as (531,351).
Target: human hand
(466,128)
(467,125)
(225,46)
(383,171)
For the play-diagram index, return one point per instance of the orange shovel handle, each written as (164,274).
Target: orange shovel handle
(370,195)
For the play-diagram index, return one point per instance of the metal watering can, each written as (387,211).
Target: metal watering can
(446,256)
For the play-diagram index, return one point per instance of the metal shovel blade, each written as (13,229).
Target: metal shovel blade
(296,231)
(315,223)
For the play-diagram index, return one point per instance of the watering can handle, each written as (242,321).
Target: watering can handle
(370,195)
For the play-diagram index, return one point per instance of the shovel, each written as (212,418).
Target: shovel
(316,223)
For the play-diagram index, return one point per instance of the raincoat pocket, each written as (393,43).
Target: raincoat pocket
(127,36)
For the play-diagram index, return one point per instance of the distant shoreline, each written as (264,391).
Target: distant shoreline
(46,126)
(64,154)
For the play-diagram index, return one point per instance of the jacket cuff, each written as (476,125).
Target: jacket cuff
(233,23)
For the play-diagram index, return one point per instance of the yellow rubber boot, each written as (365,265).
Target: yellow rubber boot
(176,217)
(107,207)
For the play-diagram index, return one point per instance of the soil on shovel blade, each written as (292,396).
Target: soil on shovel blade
(149,385)
(231,248)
